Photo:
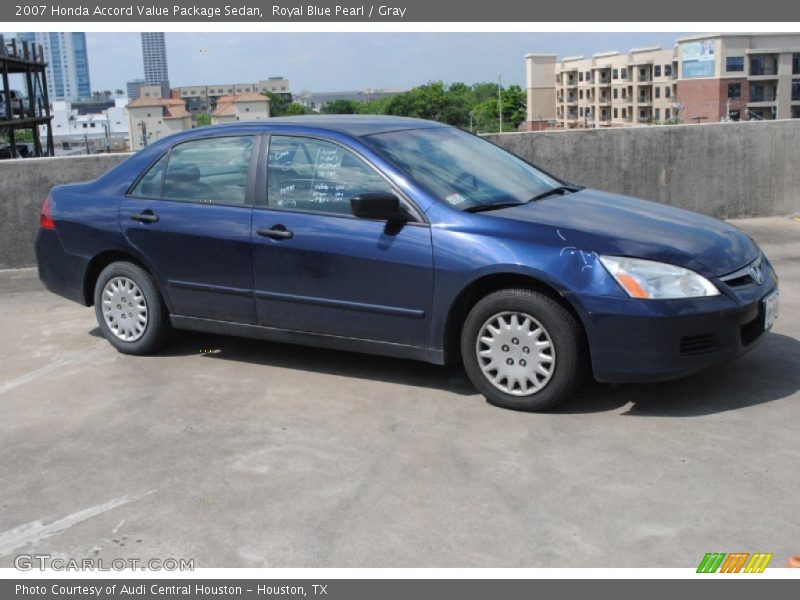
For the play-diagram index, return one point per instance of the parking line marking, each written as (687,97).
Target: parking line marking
(36,531)
(36,373)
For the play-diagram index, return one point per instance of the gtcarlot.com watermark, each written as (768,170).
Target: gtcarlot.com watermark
(46,562)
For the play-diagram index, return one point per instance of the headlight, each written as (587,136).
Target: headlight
(655,280)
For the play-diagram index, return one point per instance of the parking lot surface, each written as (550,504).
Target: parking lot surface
(239,453)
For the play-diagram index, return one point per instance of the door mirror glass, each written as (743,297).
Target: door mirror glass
(381,206)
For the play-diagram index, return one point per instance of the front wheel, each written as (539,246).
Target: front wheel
(523,350)
(129,309)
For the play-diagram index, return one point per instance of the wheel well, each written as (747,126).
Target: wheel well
(96,266)
(482,287)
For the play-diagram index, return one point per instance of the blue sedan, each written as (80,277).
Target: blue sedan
(405,238)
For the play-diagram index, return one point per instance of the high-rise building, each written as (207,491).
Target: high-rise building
(154,56)
(67,63)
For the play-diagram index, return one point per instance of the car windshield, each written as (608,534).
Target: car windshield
(460,168)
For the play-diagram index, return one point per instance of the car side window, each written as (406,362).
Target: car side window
(317,176)
(211,171)
(149,186)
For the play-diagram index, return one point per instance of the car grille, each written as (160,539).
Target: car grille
(698,344)
(745,276)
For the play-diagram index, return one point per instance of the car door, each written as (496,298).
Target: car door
(190,218)
(317,268)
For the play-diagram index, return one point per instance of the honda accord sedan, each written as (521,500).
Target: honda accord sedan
(405,238)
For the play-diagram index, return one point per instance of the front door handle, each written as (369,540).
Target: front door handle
(277,232)
(147,216)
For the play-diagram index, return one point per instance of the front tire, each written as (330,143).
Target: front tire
(523,350)
(129,309)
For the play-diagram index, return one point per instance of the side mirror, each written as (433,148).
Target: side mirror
(380,206)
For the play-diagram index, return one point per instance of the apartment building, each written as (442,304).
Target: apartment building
(250,106)
(151,118)
(703,78)
(154,60)
(204,98)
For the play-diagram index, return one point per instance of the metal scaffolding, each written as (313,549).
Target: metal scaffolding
(18,57)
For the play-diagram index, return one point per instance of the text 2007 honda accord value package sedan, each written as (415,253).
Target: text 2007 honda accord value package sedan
(406,238)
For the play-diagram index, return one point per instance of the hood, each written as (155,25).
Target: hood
(618,225)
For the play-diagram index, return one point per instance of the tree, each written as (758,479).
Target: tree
(120,93)
(294,109)
(278,103)
(203,119)
(341,107)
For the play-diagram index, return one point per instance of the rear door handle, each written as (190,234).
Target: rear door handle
(147,216)
(277,232)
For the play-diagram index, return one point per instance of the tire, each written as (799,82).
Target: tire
(531,381)
(124,329)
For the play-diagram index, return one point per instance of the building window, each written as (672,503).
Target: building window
(658,113)
(615,93)
(667,92)
(580,94)
(658,92)
(666,113)
(623,73)
(642,74)
(615,112)
(615,74)
(795,91)
(734,63)
(667,70)
(657,71)
(734,90)
(580,76)
(795,64)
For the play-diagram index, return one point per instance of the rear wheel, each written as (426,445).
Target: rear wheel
(523,350)
(129,309)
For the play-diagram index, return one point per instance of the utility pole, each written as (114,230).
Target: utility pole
(144,133)
(500,100)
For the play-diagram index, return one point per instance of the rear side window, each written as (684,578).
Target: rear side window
(209,171)
(317,176)
(149,186)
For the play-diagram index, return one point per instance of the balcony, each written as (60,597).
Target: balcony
(644,101)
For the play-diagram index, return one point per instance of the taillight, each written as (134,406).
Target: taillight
(46,216)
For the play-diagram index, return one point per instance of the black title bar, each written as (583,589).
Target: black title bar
(410,11)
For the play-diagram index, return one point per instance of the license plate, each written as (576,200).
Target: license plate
(770,309)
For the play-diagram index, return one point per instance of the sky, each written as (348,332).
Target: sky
(322,62)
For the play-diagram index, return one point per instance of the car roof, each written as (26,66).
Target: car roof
(353,125)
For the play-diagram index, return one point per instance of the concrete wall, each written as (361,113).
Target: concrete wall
(726,170)
(24,184)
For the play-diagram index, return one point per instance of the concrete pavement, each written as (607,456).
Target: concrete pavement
(242,453)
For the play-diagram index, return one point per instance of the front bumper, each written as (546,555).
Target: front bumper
(634,340)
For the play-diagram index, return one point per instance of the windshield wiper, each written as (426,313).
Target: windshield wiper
(495,206)
(561,189)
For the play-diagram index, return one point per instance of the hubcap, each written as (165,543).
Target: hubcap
(515,353)
(124,309)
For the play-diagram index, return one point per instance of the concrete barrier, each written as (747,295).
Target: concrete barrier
(24,184)
(725,170)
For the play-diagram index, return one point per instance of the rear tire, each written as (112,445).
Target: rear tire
(129,309)
(523,350)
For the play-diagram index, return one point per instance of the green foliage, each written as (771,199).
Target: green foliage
(278,103)
(341,107)
(294,109)
(472,107)
(203,119)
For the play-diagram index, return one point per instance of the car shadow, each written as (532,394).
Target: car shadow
(770,372)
